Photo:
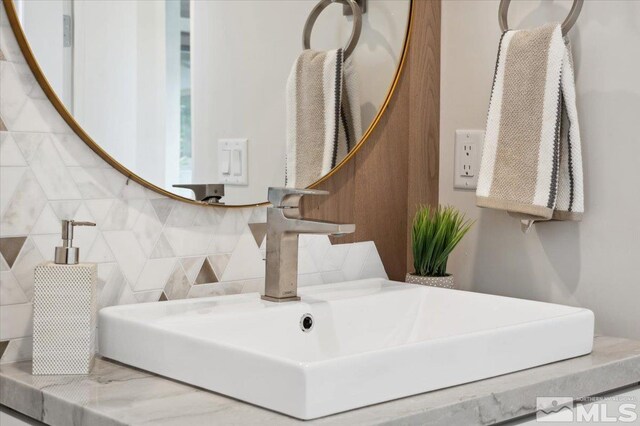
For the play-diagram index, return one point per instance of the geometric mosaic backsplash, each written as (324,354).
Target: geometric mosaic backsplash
(147,247)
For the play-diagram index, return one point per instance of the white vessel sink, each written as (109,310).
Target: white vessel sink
(371,341)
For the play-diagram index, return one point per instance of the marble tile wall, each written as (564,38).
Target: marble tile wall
(147,247)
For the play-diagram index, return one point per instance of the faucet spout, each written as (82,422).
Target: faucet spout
(284,225)
(322,227)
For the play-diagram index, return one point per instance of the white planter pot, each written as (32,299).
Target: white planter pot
(445,282)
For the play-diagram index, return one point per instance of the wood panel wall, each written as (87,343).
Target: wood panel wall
(397,168)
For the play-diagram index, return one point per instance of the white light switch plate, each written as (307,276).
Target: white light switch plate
(468,153)
(232,161)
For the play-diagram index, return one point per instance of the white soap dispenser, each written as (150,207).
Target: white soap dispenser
(64,310)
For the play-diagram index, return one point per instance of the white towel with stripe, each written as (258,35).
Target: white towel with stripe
(532,160)
(323,115)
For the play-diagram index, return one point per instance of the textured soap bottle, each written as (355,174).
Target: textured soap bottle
(64,310)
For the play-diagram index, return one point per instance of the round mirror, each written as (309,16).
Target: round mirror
(220,93)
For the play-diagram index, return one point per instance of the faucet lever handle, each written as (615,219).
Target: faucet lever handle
(290,197)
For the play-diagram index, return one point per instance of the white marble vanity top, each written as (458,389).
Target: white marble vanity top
(115,394)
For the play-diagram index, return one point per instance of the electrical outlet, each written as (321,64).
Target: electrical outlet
(468,152)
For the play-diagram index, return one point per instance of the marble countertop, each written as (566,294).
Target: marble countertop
(115,394)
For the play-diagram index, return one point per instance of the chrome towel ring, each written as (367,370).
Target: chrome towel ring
(317,10)
(566,25)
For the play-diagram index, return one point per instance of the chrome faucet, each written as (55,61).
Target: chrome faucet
(284,224)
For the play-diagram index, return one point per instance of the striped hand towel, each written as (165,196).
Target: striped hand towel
(532,161)
(323,115)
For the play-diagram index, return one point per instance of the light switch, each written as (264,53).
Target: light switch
(468,153)
(237,162)
(232,161)
(225,162)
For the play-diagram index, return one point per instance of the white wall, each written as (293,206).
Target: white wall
(106,75)
(242,53)
(595,263)
(42,21)
(119,81)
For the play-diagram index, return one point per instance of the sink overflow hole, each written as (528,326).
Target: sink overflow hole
(306,323)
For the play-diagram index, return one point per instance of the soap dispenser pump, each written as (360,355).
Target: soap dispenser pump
(64,310)
(67,254)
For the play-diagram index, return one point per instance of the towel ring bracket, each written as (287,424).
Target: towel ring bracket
(569,21)
(356,12)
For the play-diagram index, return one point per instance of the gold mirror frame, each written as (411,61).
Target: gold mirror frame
(25,48)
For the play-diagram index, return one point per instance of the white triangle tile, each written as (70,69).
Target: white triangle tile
(246,260)
(335,257)
(177,285)
(99,251)
(18,349)
(147,228)
(219,263)
(28,84)
(24,265)
(46,244)
(133,190)
(84,214)
(223,243)
(123,215)
(155,274)
(255,285)
(355,259)
(163,208)
(373,266)
(258,215)
(10,178)
(317,246)
(47,223)
(126,296)
(127,252)
(190,241)
(208,216)
(16,321)
(74,152)
(91,182)
(111,282)
(13,92)
(306,265)
(183,215)
(99,209)
(4,266)
(10,154)
(53,176)
(29,143)
(65,210)
(191,266)
(8,44)
(10,291)
(115,180)
(162,248)
(24,208)
(228,232)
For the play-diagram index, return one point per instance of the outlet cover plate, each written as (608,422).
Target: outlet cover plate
(467,156)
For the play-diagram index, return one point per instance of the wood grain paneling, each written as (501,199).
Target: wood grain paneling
(397,168)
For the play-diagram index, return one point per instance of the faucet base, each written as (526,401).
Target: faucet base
(281,299)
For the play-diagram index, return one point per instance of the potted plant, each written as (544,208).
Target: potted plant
(435,233)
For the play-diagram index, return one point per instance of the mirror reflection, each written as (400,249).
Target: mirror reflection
(220,92)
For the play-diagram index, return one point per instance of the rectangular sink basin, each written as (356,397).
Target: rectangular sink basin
(344,345)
